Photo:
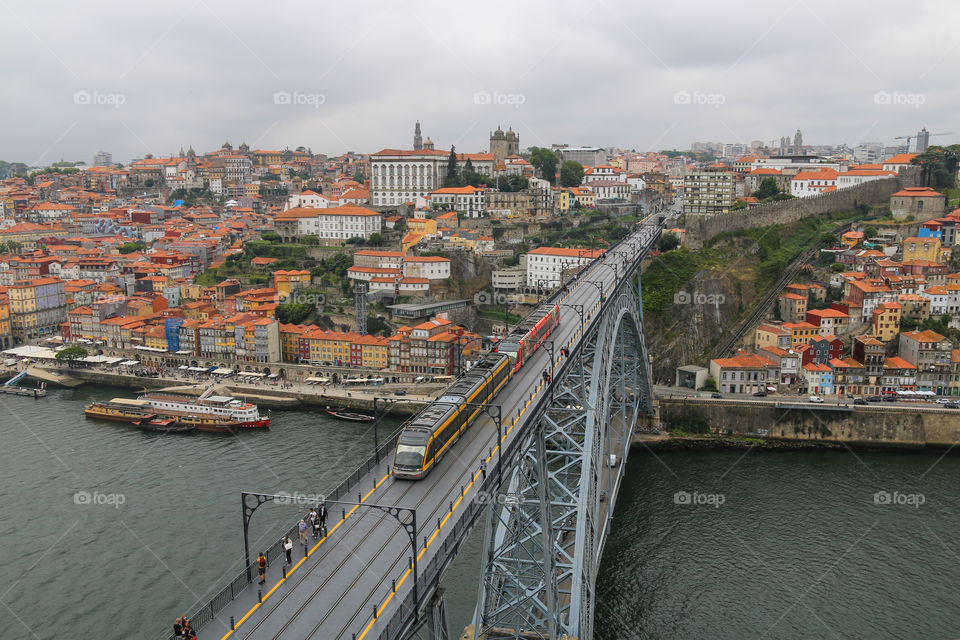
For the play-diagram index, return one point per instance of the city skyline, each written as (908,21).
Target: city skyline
(202,73)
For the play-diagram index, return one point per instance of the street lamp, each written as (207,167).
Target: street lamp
(599,286)
(540,283)
(409,526)
(578,308)
(498,419)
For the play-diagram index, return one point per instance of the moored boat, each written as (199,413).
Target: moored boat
(350,415)
(208,412)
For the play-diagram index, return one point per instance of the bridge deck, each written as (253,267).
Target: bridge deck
(333,592)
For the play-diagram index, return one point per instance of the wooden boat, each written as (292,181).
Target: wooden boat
(350,415)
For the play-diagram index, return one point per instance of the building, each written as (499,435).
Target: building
(587,156)
(924,249)
(503,145)
(708,191)
(37,308)
(546,264)
(745,373)
(923,203)
(330,226)
(467,200)
(813,183)
(818,378)
(286,282)
(426,267)
(103,159)
(931,354)
(399,176)
(773,336)
(793,307)
(831,322)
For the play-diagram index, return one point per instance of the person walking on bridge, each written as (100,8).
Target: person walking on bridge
(262,567)
(322,515)
(483,468)
(302,529)
(288,548)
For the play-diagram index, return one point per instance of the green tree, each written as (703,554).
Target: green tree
(400,225)
(546,161)
(71,353)
(130,247)
(938,166)
(571,174)
(738,205)
(768,189)
(293,313)
(838,267)
(870,232)
(452,179)
(669,242)
(270,236)
(375,240)
(310,240)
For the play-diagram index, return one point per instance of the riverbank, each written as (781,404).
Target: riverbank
(680,441)
(271,395)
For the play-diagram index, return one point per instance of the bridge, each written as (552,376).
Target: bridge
(554,442)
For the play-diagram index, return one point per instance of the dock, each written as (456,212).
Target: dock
(24,391)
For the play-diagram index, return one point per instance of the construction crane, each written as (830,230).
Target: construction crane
(917,135)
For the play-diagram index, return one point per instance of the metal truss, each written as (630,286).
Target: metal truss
(545,533)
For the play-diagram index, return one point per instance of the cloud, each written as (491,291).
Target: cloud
(603,72)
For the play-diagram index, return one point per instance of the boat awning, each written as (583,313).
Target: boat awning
(222,372)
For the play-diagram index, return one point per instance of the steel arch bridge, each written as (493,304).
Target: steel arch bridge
(546,533)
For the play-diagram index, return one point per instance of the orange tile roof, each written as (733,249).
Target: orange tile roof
(918,192)
(896,362)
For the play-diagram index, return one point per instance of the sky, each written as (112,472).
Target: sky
(139,78)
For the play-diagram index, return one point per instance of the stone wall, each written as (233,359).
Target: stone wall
(701,227)
(896,426)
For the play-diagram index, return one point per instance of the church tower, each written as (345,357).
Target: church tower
(798,143)
(417,138)
(503,145)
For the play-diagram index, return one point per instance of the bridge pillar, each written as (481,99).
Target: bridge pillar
(432,625)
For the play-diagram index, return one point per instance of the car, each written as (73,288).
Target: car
(760,394)
(718,396)
(817,399)
(952,405)
(859,401)
(943,400)
(399,392)
(890,398)
(874,399)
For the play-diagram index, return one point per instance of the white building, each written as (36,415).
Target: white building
(609,189)
(331,226)
(310,200)
(467,200)
(544,265)
(858,176)
(813,183)
(429,267)
(399,175)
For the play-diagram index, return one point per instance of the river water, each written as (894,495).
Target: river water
(790,545)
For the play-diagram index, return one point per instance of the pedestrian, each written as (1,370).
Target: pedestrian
(262,567)
(302,529)
(288,548)
(322,515)
(178,626)
(187,631)
(483,468)
(312,515)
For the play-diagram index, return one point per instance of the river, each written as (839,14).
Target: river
(111,533)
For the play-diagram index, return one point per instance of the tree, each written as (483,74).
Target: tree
(71,353)
(293,313)
(669,242)
(546,161)
(571,174)
(130,247)
(452,179)
(738,205)
(375,240)
(400,225)
(270,236)
(938,166)
(838,267)
(870,231)
(310,240)
(768,189)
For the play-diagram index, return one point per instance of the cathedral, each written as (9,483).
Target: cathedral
(503,145)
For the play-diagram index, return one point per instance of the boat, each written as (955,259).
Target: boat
(216,414)
(165,425)
(350,415)
(118,409)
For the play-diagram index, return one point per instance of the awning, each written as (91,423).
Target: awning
(222,372)
(272,375)
(183,366)
(197,369)
(318,380)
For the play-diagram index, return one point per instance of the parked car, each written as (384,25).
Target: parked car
(943,400)
(952,405)
(890,398)
(815,399)
(718,396)
(859,401)
(874,399)
(760,394)
(399,392)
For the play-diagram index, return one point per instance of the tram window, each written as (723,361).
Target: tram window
(408,456)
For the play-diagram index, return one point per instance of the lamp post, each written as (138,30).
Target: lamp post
(380,406)
(540,284)
(578,308)
(409,526)
(498,419)
(599,286)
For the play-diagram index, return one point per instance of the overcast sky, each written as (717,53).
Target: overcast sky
(137,78)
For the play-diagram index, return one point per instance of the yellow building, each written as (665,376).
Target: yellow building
(886,320)
(6,329)
(793,307)
(422,225)
(155,338)
(562,202)
(410,240)
(37,307)
(803,332)
(924,249)
(286,282)
(373,351)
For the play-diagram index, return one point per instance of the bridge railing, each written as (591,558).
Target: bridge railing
(228,593)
